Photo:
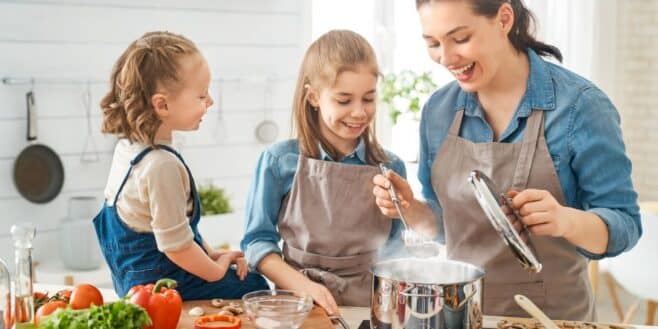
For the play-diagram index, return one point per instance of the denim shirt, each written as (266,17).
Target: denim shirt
(272,181)
(583,134)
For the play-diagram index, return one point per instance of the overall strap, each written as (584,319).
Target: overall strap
(139,158)
(133,162)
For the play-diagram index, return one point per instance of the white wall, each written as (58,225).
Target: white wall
(636,90)
(61,43)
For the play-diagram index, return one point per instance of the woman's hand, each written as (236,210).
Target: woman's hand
(511,216)
(541,213)
(383,197)
(320,295)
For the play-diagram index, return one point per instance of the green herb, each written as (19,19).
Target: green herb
(405,92)
(117,315)
(213,200)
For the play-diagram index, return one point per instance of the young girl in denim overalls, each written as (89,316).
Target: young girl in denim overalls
(148,225)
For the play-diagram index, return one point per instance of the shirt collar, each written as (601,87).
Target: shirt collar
(359,152)
(539,95)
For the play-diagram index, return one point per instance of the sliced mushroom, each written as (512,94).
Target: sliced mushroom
(236,310)
(218,302)
(225,312)
(196,311)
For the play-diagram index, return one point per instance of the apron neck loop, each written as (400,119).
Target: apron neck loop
(456,123)
(533,131)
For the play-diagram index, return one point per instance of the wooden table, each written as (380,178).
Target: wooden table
(354,315)
(317,318)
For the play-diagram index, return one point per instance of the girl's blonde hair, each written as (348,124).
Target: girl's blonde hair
(149,62)
(331,54)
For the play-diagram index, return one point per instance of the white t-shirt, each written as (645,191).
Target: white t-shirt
(156,197)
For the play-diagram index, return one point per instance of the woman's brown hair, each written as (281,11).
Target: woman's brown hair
(149,62)
(333,53)
(522,34)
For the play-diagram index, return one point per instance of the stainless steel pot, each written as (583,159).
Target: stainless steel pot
(415,293)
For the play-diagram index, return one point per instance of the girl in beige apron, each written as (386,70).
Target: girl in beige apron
(504,98)
(330,228)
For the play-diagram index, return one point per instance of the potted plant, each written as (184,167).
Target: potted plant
(214,201)
(220,225)
(404,94)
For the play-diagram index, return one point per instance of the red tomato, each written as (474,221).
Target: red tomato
(84,295)
(63,295)
(47,309)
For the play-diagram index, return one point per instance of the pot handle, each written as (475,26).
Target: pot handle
(406,292)
(340,320)
(465,300)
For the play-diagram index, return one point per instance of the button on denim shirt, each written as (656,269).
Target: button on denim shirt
(582,130)
(272,181)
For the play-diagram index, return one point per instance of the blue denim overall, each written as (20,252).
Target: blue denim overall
(134,257)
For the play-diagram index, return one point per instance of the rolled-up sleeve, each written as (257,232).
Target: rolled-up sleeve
(262,210)
(603,170)
(167,191)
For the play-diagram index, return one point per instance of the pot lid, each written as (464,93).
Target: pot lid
(492,202)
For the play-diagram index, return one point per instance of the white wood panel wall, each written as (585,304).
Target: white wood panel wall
(253,48)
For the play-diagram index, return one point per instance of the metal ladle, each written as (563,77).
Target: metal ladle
(417,244)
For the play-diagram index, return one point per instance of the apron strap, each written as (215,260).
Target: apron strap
(534,128)
(456,124)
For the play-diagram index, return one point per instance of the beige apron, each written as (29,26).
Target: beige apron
(331,227)
(562,288)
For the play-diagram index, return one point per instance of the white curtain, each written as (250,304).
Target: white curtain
(584,30)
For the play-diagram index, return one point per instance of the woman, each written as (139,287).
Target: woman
(543,133)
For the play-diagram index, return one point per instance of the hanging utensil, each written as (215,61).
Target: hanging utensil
(417,244)
(38,170)
(90,150)
(534,311)
(267,130)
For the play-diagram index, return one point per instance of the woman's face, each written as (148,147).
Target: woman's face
(346,108)
(468,45)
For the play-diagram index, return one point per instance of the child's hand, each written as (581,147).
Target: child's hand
(321,296)
(242,268)
(383,196)
(215,254)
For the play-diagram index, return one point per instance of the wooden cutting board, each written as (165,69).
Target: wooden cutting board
(528,323)
(317,319)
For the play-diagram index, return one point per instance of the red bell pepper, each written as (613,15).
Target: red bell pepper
(161,301)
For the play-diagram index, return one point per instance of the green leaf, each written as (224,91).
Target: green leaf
(406,87)
(214,200)
(119,315)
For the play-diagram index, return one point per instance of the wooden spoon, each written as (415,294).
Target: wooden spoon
(534,311)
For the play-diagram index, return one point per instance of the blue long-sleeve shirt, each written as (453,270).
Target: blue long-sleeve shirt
(582,130)
(271,183)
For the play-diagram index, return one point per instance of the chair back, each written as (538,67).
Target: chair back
(636,270)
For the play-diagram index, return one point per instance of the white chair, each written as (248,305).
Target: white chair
(636,269)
